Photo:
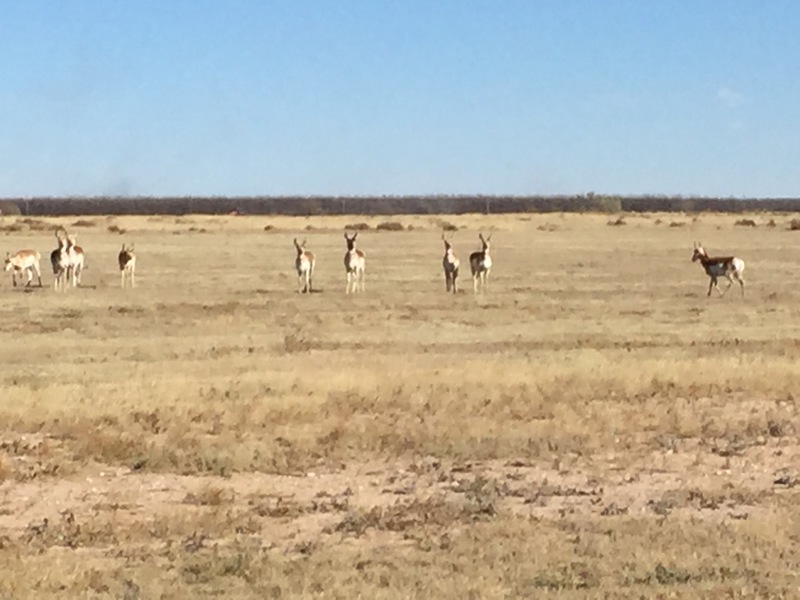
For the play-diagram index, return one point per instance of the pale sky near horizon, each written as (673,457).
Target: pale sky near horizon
(360,97)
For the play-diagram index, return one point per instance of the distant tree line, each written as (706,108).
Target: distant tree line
(385,205)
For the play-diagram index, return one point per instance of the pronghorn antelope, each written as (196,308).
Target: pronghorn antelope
(24,261)
(355,262)
(481,263)
(304,263)
(127,265)
(450,263)
(76,260)
(59,259)
(729,267)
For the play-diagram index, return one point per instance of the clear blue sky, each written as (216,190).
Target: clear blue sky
(356,97)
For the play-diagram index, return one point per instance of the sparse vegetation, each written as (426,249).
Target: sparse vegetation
(390,226)
(444,225)
(745,223)
(579,431)
(362,226)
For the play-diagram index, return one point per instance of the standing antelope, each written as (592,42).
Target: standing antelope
(127,265)
(450,263)
(304,263)
(481,263)
(24,261)
(59,259)
(76,260)
(355,262)
(729,267)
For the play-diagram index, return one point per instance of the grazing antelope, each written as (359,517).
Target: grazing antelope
(355,262)
(24,261)
(59,259)
(729,267)
(481,263)
(450,263)
(127,265)
(304,263)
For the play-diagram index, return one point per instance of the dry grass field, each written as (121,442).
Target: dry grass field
(592,427)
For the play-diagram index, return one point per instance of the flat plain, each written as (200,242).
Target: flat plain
(593,426)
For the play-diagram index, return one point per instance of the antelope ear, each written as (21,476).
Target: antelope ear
(131,248)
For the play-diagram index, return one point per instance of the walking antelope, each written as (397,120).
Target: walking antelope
(481,263)
(729,267)
(24,261)
(127,265)
(355,262)
(450,263)
(304,263)
(59,259)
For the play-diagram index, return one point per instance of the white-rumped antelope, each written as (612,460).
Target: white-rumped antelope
(127,265)
(304,263)
(481,264)
(729,267)
(59,260)
(24,262)
(450,263)
(355,263)
(76,260)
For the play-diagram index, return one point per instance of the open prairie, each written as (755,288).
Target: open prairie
(591,427)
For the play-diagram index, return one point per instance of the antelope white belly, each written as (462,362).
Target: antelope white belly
(717,270)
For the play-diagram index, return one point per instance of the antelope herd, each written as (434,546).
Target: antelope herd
(68,261)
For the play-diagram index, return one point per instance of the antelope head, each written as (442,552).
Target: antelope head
(300,247)
(61,236)
(485,241)
(699,252)
(351,241)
